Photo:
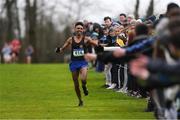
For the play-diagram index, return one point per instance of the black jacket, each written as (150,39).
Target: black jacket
(108,56)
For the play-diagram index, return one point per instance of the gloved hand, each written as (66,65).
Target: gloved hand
(57,50)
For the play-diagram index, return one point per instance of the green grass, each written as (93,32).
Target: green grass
(43,91)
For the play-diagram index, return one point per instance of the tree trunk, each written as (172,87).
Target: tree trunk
(31,27)
(136,14)
(150,10)
(17,20)
(8,5)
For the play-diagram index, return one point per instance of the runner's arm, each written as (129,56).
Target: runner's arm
(66,44)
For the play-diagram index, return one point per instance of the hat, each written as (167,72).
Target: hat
(151,18)
(139,21)
(131,16)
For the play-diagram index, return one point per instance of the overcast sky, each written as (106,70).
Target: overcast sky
(98,10)
(116,7)
(110,8)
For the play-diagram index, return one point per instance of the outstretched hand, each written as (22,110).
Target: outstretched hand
(119,52)
(58,50)
(138,67)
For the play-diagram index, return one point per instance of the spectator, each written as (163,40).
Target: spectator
(28,52)
(16,45)
(6,51)
(130,18)
(122,19)
(107,22)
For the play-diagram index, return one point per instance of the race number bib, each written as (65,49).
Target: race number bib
(78,52)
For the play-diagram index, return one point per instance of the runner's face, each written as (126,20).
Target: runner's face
(79,30)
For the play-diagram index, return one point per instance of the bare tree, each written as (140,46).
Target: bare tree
(41,31)
(8,6)
(136,14)
(74,9)
(30,21)
(17,20)
(3,23)
(11,19)
(150,10)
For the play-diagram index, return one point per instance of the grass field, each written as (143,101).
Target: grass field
(45,91)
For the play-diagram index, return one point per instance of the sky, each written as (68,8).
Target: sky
(127,6)
(97,11)
(110,8)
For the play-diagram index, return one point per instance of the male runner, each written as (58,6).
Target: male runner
(78,66)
